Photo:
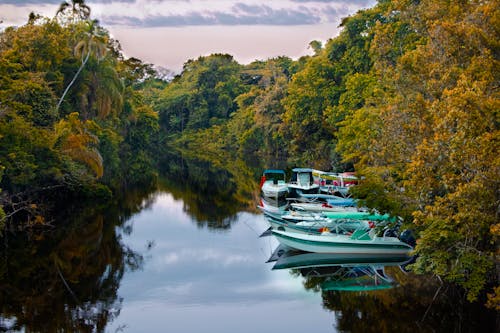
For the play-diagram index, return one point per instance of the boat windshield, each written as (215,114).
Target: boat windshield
(304,179)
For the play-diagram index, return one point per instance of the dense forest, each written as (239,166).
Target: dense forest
(407,95)
(73,122)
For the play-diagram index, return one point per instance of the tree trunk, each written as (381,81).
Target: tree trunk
(73,81)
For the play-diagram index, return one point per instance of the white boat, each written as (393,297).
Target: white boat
(273,184)
(317,226)
(302,182)
(331,199)
(332,183)
(276,208)
(321,207)
(360,241)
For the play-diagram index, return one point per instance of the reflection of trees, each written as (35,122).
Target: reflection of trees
(212,195)
(416,303)
(65,280)
(409,307)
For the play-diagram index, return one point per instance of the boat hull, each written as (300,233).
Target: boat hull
(272,190)
(335,243)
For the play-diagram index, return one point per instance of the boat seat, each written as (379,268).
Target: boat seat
(360,234)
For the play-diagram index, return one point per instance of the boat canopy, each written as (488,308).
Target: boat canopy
(274,171)
(300,170)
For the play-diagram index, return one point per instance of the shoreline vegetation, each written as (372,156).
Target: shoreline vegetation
(406,95)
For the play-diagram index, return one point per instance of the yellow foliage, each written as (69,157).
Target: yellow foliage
(495,229)
(494,299)
(75,139)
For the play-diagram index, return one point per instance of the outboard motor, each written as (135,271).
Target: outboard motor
(408,238)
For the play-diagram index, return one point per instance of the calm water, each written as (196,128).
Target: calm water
(186,256)
(195,279)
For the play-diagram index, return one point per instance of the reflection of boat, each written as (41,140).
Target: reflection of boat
(360,241)
(367,278)
(273,184)
(339,272)
(287,259)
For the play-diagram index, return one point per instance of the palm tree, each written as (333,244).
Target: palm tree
(77,10)
(94,43)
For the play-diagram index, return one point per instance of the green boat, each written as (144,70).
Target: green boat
(359,216)
(359,242)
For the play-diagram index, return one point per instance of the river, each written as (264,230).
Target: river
(185,256)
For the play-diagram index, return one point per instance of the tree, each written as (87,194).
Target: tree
(75,139)
(74,11)
(316,46)
(426,141)
(202,95)
(93,43)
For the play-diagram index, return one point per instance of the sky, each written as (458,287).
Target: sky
(168,33)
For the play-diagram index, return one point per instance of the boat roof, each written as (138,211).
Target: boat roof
(274,171)
(302,170)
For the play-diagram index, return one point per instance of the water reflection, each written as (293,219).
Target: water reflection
(195,280)
(377,294)
(65,280)
(212,193)
(146,263)
(338,272)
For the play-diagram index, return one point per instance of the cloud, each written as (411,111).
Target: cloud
(56,2)
(358,2)
(240,14)
(184,13)
(30,2)
(230,13)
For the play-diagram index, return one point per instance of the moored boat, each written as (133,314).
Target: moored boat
(335,183)
(331,199)
(321,207)
(360,241)
(302,182)
(273,184)
(317,226)
(273,207)
(359,216)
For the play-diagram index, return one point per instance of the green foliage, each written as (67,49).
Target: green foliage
(75,139)
(427,136)
(254,129)
(315,103)
(68,100)
(203,95)
(407,94)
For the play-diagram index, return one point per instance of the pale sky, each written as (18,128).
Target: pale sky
(168,33)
